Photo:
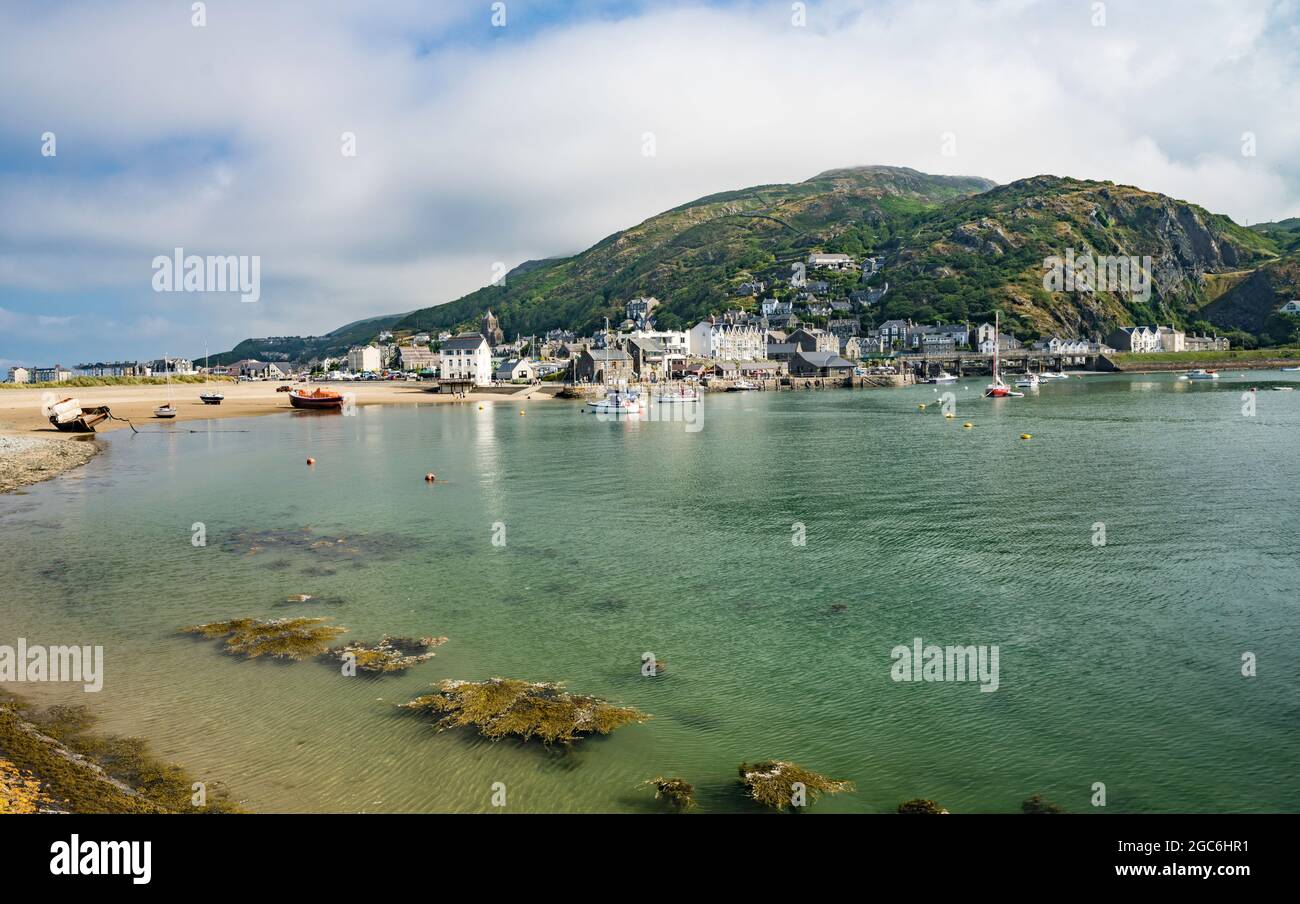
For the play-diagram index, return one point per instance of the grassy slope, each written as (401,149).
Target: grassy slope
(691,255)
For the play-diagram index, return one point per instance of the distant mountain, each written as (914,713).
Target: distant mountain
(951,247)
(304,348)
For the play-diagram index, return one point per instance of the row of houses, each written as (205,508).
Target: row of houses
(60,374)
(1150,339)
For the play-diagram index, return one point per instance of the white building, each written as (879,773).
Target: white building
(1291,307)
(467,357)
(19,375)
(363,358)
(819,261)
(1145,339)
(728,341)
(514,369)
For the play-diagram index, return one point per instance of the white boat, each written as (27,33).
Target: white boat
(1291,369)
(618,402)
(1030,381)
(742,386)
(943,378)
(1202,375)
(997,389)
(678,396)
(165,411)
(1053,375)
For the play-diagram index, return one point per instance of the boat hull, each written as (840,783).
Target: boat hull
(314,403)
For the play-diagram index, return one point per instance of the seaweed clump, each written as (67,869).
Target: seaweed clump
(677,792)
(390,654)
(79,771)
(772,783)
(503,707)
(920,805)
(19,791)
(1035,805)
(282,638)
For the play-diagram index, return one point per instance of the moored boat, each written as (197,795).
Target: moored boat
(677,396)
(211,398)
(742,386)
(943,378)
(997,389)
(68,416)
(1029,381)
(165,411)
(1202,374)
(618,402)
(316,399)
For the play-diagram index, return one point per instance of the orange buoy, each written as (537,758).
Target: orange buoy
(311,461)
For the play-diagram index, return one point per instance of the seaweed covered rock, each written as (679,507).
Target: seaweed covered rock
(502,707)
(20,792)
(677,793)
(390,654)
(920,805)
(57,763)
(283,638)
(1035,805)
(779,784)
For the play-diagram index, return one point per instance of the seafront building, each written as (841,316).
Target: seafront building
(722,339)
(363,358)
(466,358)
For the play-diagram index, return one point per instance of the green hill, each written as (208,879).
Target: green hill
(691,256)
(951,247)
(988,251)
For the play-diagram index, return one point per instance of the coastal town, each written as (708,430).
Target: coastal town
(780,331)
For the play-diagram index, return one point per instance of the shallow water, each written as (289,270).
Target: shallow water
(1118,664)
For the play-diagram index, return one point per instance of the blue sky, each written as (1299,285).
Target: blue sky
(479,145)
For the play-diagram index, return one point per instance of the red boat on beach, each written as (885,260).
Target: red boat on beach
(316,398)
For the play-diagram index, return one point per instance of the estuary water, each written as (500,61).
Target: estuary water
(772,556)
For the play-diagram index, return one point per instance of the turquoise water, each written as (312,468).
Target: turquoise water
(1118,664)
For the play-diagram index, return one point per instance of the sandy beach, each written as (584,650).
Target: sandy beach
(31,450)
(20,409)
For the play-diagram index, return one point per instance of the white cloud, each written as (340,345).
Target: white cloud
(525,144)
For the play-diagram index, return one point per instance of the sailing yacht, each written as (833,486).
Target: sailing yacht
(209,396)
(168,410)
(997,389)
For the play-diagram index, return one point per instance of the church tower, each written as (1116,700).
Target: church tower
(491,330)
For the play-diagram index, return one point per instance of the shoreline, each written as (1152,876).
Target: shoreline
(32,451)
(27,460)
(20,409)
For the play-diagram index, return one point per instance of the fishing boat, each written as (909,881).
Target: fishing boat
(997,389)
(678,396)
(316,399)
(68,416)
(942,379)
(618,402)
(1029,381)
(1202,374)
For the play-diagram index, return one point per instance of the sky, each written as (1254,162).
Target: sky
(488,134)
